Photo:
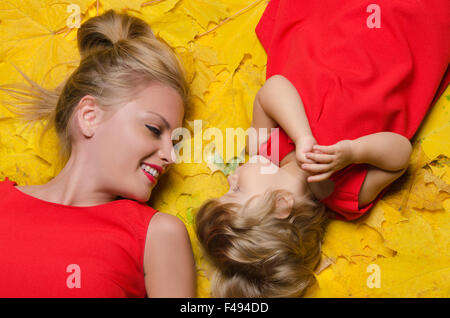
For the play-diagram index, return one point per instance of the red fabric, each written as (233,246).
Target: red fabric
(40,239)
(271,148)
(354,80)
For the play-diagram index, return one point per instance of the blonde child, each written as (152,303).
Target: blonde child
(263,236)
(347,86)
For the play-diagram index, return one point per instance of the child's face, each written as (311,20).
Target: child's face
(249,180)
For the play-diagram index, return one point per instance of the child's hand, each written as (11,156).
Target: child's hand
(303,146)
(333,158)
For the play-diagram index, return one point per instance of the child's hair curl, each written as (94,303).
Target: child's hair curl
(257,254)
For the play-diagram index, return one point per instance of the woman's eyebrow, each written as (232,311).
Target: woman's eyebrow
(162,118)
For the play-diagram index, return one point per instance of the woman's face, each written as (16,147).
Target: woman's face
(137,133)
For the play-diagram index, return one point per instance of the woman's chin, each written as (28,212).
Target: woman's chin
(143,198)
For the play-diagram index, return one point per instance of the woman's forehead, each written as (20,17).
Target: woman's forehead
(169,113)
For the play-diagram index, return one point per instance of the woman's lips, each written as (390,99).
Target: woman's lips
(149,176)
(158,168)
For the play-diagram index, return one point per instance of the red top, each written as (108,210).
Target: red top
(355,80)
(47,249)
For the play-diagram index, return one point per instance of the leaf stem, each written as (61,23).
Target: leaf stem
(229,18)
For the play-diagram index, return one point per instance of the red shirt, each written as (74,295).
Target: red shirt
(48,249)
(355,80)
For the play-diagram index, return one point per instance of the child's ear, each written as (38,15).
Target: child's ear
(284,206)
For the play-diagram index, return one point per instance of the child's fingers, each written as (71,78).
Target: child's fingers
(303,159)
(319,177)
(316,168)
(324,149)
(320,158)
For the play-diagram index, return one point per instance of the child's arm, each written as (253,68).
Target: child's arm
(387,153)
(281,102)
(278,102)
(385,150)
(260,120)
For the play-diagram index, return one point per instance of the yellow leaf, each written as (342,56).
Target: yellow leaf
(204,11)
(233,39)
(156,9)
(376,217)
(121,4)
(176,29)
(435,127)
(29,34)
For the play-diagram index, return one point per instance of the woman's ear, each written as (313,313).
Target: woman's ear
(284,205)
(88,115)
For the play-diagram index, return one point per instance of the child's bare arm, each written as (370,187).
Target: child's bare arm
(278,102)
(385,150)
(262,121)
(387,153)
(281,102)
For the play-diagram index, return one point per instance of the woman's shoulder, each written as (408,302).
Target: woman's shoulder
(166,224)
(164,232)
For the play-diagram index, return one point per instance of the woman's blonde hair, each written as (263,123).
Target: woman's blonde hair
(119,54)
(255,253)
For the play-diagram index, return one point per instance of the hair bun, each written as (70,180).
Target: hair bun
(104,31)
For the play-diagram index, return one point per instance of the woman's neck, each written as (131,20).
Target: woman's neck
(74,185)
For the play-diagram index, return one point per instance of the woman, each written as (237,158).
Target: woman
(88,232)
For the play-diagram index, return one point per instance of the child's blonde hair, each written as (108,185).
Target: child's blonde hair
(119,54)
(255,253)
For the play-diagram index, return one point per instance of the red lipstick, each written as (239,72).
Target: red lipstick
(149,176)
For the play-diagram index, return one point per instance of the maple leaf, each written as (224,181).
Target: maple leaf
(235,38)
(121,4)
(30,39)
(204,11)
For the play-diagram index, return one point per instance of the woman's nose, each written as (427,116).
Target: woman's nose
(167,153)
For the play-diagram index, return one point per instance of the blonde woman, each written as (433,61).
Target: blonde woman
(88,232)
(346,98)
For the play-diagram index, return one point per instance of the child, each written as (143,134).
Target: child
(264,234)
(358,97)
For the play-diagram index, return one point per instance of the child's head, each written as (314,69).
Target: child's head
(263,237)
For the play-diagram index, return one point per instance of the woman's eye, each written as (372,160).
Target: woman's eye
(155,130)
